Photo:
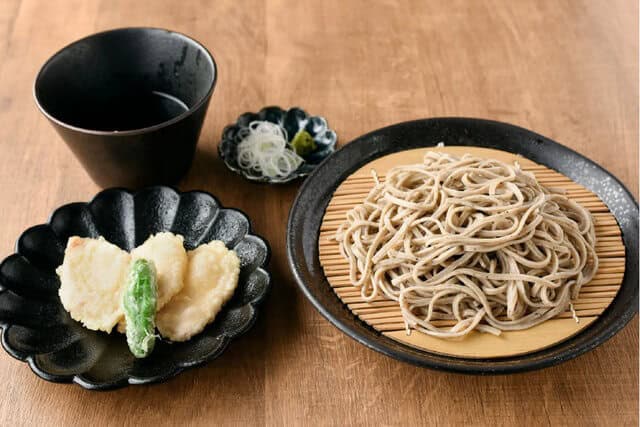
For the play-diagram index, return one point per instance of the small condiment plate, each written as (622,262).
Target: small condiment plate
(292,121)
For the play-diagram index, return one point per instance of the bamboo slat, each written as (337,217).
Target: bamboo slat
(385,316)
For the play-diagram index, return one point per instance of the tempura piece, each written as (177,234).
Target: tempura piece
(166,250)
(91,279)
(212,276)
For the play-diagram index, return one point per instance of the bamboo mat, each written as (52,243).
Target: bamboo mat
(385,316)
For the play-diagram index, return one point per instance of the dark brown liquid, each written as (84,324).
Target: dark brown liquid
(127,112)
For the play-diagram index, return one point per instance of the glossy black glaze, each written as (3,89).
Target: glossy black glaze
(314,195)
(292,120)
(38,330)
(106,78)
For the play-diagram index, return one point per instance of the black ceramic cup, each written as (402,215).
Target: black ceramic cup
(129,102)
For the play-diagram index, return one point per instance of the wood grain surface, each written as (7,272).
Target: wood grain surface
(566,69)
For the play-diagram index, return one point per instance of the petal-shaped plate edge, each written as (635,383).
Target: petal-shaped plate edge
(87,383)
(297,174)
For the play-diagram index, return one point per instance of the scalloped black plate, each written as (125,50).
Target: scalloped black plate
(38,330)
(308,209)
(292,120)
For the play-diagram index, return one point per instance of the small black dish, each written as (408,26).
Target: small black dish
(292,121)
(129,103)
(38,330)
(309,206)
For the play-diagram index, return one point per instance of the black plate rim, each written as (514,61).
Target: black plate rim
(530,361)
(85,383)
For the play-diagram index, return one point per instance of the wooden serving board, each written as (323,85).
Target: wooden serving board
(384,315)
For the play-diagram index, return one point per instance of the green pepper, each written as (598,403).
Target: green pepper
(139,302)
(303,143)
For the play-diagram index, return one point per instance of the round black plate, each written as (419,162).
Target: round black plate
(314,195)
(38,330)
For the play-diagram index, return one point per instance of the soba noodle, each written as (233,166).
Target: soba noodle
(476,241)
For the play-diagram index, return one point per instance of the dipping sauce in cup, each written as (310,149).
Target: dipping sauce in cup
(129,103)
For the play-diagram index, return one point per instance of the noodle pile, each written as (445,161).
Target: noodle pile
(472,240)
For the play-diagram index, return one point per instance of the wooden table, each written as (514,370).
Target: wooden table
(568,70)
